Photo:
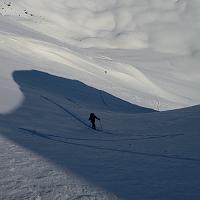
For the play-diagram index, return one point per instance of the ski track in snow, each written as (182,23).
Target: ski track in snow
(104,102)
(35,133)
(104,140)
(116,144)
(67,111)
(73,115)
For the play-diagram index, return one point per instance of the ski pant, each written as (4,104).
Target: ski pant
(93,125)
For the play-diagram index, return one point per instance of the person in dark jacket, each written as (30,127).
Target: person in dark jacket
(92,119)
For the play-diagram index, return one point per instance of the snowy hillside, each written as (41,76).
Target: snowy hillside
(49,152)
(145,52)
(124,60)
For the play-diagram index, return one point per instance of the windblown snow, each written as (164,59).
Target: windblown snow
(145,52)
(61,60)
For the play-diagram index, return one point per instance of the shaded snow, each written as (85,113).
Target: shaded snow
(48,150)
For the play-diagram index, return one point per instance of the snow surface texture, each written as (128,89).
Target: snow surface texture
(62,59)
(168,26)
(134,24)
(149,49)
(48,150)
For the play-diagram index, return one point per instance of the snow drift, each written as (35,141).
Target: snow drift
(145,52)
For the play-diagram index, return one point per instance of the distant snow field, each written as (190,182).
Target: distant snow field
(166,26)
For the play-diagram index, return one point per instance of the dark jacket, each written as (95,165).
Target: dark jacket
(93,117)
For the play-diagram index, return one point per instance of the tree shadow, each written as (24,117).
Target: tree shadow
(46,97)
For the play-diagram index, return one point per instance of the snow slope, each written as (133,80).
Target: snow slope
(154,64)
(133,24)
(49,152)
(122,60)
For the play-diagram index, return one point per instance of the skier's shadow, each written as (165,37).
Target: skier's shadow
(35,113)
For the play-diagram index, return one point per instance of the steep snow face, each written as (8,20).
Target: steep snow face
(170,26)
(143,51)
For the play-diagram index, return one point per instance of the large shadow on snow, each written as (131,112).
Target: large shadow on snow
(52,122)
(37,127)
(74,91)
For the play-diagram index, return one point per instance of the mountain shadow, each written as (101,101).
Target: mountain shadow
(49,119)
(75,91)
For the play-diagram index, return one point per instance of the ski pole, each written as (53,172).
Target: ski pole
(100,124)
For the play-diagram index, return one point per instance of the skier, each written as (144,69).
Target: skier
(92,119)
